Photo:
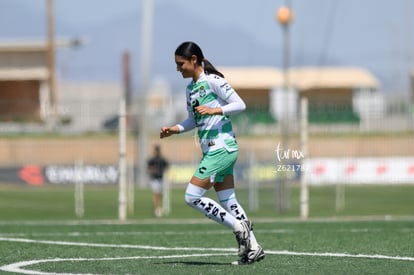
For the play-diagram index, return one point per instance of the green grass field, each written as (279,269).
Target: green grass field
(40,234)
(202,247)
(101,202)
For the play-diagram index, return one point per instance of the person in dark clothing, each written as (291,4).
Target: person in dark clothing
(156,167)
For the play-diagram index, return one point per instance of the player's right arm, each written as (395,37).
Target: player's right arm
(168,131)
(183,126)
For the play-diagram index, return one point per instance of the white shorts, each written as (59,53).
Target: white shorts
(156,185)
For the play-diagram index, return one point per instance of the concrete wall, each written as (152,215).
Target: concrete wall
(104,150)
(88,105)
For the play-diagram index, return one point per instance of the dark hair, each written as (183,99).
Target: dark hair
(188,49)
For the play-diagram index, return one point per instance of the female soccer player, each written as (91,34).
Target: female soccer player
(210,101)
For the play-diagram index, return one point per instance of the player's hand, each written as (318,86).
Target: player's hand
(165,132)
(204,110)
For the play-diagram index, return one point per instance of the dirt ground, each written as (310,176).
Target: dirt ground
(104,150)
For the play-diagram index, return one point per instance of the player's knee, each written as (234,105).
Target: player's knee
(189,200)
(193,194)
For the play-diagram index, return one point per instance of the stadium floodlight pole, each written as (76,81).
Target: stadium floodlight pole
(284,17)
(51,63)
(304,192)
(122,162)
(122,199)
(79,189)
(131,189)
(144,80)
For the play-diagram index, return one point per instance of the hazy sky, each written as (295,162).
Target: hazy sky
(376,34)
(329,19)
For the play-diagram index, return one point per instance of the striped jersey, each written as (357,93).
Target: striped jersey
(214,131)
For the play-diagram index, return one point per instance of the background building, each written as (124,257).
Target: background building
(23,81)
(335,94)
(24,74)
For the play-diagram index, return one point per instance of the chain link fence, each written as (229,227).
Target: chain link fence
(345,145)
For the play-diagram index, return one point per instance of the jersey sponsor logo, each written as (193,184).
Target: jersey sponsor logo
(201,170)
(197,117)
(226,86)
(211,143)
(195,103)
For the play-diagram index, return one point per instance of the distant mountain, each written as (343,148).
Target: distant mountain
(100,58)
(171,26)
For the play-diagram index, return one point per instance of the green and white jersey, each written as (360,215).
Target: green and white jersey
(214,131)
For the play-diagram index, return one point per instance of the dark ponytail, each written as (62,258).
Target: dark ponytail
(188,49)
(210,69)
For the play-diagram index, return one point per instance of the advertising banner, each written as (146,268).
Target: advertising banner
(389,170)
(37,175)
(317,171)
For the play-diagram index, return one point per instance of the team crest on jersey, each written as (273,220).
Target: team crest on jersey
(202,92)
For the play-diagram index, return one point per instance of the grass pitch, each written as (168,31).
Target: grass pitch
(203,247)
(40,234)
(101,202)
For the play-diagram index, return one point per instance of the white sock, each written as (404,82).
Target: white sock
(229,201)
(194,197)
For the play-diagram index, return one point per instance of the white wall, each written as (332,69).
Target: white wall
(369,105)
(88,104)
(282,103)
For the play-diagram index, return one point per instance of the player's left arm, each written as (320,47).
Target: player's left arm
(235,105)
(222,88)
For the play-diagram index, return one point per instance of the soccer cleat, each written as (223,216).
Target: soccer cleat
(255,255)
(251,257)
(243,238)
(242,261)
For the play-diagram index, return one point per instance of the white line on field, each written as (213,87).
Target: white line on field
(152,233)
(148,247)
(273,252)
(135,233)
(18,267)
(342,255)
(20,240)
(403,218)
